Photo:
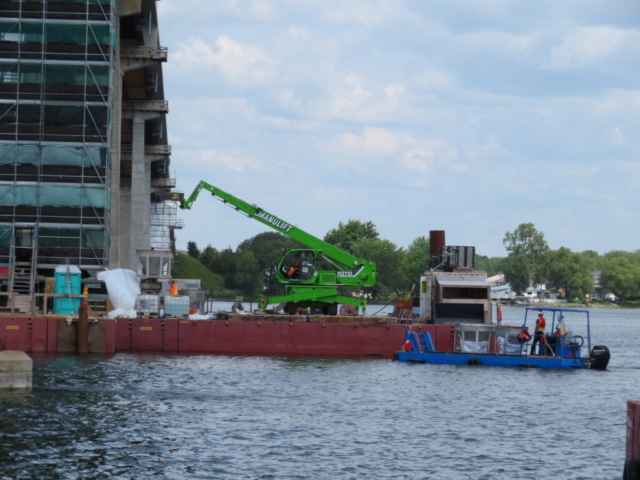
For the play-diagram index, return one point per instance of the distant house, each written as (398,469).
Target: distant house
(599,294)
(597,289)
(502,292)
(496,280)
(505,292)
(535,292)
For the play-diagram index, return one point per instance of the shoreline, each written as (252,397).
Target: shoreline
(564,305)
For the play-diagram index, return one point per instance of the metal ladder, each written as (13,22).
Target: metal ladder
(21,279)
(423,343)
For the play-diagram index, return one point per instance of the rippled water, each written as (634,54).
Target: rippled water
(131,416)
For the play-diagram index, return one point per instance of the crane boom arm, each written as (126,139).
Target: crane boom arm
(257,213)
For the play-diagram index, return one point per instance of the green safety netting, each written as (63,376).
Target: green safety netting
(103,2)
(54,74)
(30,74)
(54,196)
(70,115)
(12,31)
(9,72)
(60,33)
(78,34)
(5,236)
(9,31)
(8,113)
(53,155)
(70,237)
(24,113)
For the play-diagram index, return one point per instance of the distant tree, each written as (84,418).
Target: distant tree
(188,267)
(267,248)
(415,261)
(208,256)
(620,277)
(347,235)
(491,265)
(248,277)
(633,257)
(192,250)
(224,263)
(526,249)
(570,272)
(388,258)
(593,258)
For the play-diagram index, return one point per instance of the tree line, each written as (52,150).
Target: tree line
(530,261)
(250,269)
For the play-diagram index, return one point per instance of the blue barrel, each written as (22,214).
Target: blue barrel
(68,281)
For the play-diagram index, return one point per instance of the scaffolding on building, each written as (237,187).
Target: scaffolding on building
(56,104)
(164,218)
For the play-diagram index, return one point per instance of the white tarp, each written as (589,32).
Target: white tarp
(508,347)
(470,347)
(123,287)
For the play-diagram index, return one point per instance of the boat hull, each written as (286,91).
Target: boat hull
(492,360)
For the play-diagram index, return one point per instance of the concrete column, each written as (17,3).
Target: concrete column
(16,370)
(117,246)
(140,193)
(124,239)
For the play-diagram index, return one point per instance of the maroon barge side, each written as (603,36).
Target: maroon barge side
(235,335)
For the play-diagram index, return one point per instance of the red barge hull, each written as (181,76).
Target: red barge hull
(235,335)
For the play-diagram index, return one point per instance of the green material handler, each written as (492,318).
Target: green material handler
(305,285)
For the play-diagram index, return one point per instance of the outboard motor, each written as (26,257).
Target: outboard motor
(600,356)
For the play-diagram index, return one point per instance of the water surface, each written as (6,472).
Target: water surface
(135,416)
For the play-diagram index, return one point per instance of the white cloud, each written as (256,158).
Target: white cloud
(298,33)
(366,13)
(497,41)
(490,149)
(258,10)
(617,137)
(350,98)
(373,141)
(233,161)
(211,119)
(631,172)
(239,62)
(586,46)
(417,159)
(617,102)
(434,80)
(408,151)
(485,8)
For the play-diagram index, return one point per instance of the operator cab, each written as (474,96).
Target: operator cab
(298,265)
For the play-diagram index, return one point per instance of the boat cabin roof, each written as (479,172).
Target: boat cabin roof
(555,313)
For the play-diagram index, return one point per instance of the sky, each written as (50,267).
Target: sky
(468,116)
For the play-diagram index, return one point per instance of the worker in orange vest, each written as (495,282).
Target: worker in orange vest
(538,335)
(295,267)
(524,336)
(173,288)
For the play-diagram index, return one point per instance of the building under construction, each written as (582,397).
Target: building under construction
(84,157)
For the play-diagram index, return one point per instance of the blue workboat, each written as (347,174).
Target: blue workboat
(567,346)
